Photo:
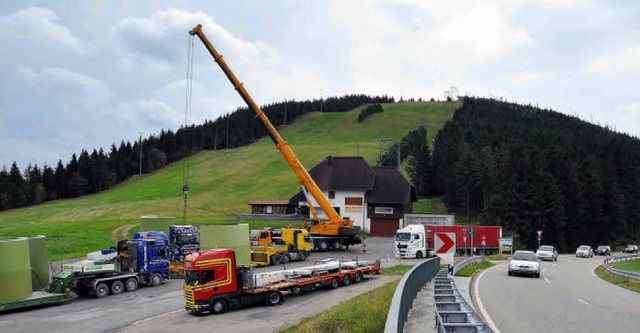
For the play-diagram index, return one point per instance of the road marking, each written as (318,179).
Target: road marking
(547,280)
(581,301)
(554,265)
(476,294)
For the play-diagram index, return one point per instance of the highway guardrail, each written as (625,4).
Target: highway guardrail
(608,265)
(412,282)
(453,313)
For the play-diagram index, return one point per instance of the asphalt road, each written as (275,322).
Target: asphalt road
(568,297)
(114,313)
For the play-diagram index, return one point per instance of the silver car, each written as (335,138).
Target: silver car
(525,263)
(547,252)
(584,251)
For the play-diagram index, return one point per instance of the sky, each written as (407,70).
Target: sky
(88,74)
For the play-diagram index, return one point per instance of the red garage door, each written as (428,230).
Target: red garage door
(380,227)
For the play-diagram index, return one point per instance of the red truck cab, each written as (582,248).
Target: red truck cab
(209,275)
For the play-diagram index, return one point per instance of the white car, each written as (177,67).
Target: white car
(524,263)
(584,251)
(547,252)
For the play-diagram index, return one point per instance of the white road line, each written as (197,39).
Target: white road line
(593,271)
(554,265)
(544,270)
(581,301)
(547,280)
(476,294)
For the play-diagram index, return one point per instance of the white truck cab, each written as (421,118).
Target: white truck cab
(411,242)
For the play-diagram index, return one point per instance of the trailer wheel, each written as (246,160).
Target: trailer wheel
(323,245)
(296,290)
(102,290)
(286,258)
(346,280)
(117,287)
(274,297)
(303,255)
(276,259)
(218,306)
(358,277)
(335,283)
(156,279)
(131,284)
(337,244)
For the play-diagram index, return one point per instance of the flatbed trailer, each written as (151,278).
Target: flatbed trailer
(38,298)
(215,284)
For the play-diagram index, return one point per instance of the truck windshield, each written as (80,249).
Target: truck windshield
(191,278)
(403,236)
(188,239)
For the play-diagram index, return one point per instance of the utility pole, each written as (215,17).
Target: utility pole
(321,101)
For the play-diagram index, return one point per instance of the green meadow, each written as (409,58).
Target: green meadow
(222,182)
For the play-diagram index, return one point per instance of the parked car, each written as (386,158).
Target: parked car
(547,252)
(525,263)
(584,251)
(630,249)
(603,250)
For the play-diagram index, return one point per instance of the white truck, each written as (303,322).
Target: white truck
(411,242)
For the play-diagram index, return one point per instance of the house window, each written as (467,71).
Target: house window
(353,201)
(332,194)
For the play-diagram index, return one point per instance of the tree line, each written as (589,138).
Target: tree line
(530,169)
(88,173)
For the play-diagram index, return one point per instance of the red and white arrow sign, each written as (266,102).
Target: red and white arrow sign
(445,242)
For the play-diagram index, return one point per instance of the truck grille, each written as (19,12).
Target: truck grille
(188,296)
(402,246)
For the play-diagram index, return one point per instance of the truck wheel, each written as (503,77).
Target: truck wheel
(335,283)
(274,297)
(102,290)
(309,287)
(358,277)
(286,258)
(303,255)
(218,306)
(337,244)
(346,280)
(276,259)
(312,245)
(323,245)
(419,254)
(117,288)
(156,279)
(131,285)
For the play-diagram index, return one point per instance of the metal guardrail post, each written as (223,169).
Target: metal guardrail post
(412,282)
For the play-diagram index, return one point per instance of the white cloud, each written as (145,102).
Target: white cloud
(454,37)
(39,25)
(527,78)
(66,86)
(626,61)
(634,108)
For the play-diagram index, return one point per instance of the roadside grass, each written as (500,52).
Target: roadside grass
(363,313)
(396,270)
(624,282)
(222,182)
(629,265)
(498,257)
(470,270)
(430,206)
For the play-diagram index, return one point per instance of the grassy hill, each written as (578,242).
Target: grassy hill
(222,182)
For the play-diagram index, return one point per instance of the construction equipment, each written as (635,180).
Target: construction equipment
(292,245)
(335,232)
(214,283)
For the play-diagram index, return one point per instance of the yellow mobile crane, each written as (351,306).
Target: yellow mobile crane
(335,232)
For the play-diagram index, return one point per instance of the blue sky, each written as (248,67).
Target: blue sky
(86,74)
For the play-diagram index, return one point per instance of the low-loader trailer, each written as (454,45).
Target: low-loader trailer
(214,283)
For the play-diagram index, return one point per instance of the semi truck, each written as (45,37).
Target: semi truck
(182,240)
(291,245)
(417,240)
(133,263)
(214,283)
(334,232)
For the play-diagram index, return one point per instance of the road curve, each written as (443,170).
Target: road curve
(568,297)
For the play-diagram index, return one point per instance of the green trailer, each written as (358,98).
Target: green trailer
(38,298)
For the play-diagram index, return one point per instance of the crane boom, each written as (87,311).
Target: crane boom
(336,225)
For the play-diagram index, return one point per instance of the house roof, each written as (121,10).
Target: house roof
(381,184)
(343,173)
(390,187)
